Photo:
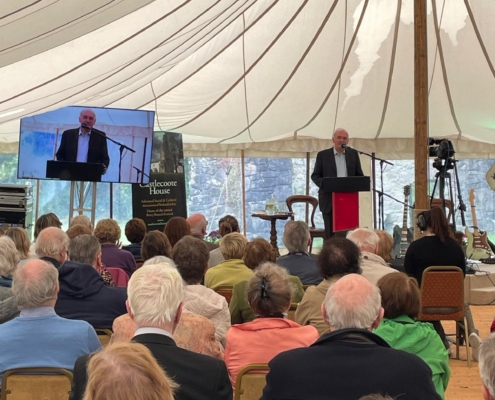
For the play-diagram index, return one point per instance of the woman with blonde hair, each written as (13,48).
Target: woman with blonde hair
(269,293)
(127,371)
(9,260)
(21,241)
(233,269)
(226,225)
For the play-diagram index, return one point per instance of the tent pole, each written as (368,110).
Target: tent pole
(243,174)
(420,108)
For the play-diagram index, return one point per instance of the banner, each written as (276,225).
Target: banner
(164,196)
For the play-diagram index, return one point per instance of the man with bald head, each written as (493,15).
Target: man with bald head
(83,144)
(349,361)
(51,245)
(39,337)
(338,161)
(198,224)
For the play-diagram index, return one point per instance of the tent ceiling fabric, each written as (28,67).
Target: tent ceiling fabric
(228,74)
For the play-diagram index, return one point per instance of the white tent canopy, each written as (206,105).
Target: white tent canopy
(272,77)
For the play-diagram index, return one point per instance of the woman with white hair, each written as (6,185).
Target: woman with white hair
(9,259)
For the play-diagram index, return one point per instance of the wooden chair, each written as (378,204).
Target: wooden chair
(291,314)
(225,291)
(250,382)
(139,262)
(119,276)
(36,384)
(104,335)
(442,299)
(313,230)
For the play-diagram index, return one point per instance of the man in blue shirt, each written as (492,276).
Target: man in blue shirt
(39,337)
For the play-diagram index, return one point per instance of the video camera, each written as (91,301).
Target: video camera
(443,150)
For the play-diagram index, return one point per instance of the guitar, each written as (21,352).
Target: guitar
(478,246)
(403,236)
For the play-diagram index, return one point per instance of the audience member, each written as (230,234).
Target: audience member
(78,252)
(76,230)
(21,241)
(107,231)
(127,371)
(257,252)
(487,367)
(359,361)
(385,245)
(337,258)
(39,337)
(9,260)
(438,247)
(51,246)
(401,301)
(82,220)
(233,269)
(269,294)
(43,222)
(227,224)
(175,229)
(2,232)
(155,243)
(135,229)
(299,262)
(83,293)
(372,265)
(155,301)
(191,258)
(198,223)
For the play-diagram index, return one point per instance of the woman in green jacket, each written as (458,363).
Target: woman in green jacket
(401,301)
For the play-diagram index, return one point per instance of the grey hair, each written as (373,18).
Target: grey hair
(84,249)
(9,256)
(296,236)
(51,241)
(80,220)
(35,283)
(487,363)
(358,313)
(165,261)
(364,237)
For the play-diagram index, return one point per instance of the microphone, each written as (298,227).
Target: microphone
(85,126)
(343,145)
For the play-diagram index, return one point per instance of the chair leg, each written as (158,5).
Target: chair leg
(457,339)
(468,349)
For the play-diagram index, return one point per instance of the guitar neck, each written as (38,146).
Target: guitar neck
(403,234)
(476,231)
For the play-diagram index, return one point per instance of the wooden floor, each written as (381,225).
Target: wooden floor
(465,383)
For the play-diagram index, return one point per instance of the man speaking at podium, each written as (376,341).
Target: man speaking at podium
(339,161)
(85,144)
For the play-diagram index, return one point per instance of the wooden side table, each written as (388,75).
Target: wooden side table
(273,220)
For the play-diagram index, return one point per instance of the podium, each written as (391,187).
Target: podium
(345,199)
(73,171)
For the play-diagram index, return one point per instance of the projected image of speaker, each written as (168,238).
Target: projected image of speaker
(88,144)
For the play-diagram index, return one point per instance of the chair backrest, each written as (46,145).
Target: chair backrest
(36,384)
(225,291)
(104,335)
(300,198)
(119,276)
(291,314)
(139,262)
(250,382)
(442,294)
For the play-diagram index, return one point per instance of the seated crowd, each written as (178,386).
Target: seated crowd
(177,335)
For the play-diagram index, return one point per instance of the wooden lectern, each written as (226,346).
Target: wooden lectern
(74,171)
(345,199)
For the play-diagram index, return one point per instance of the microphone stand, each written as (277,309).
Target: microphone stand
(381,208)
(122,146)
(138,171)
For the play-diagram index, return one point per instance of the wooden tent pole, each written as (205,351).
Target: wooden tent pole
(420,107)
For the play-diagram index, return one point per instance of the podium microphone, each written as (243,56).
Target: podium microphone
(343,145)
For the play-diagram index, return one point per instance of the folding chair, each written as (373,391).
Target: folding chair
(36,384)
(104,335)
(442,299)
(250,382)
(119,276)
(225,291)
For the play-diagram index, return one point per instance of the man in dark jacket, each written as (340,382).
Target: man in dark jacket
(83,294)
(156,295)
(350,361)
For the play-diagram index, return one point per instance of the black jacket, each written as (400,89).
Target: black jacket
(97,151)
(83,295)
(325,167)
(200,377)
(346,365)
